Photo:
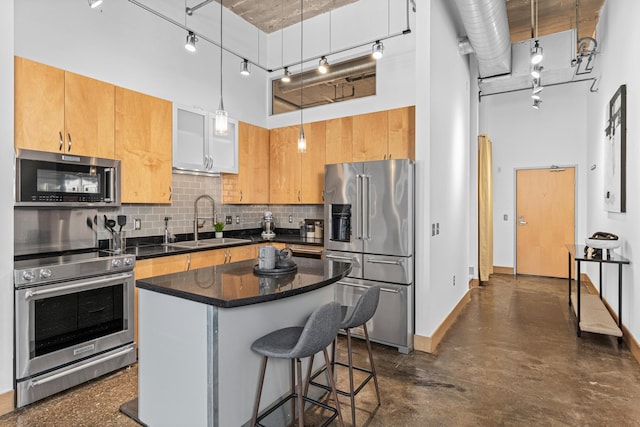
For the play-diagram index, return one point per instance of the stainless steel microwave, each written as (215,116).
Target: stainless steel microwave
(59,180)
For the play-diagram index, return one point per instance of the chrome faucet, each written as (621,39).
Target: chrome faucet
(196,218)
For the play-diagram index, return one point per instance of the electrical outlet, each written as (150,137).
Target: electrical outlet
(505,217)
(454,280)
(290,219)
(237,219)
(228,219)
(437,228)
(433,229)
(137,224)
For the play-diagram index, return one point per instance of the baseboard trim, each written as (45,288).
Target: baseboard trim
(6,402)
(503,270)
(474,283)
(429,344)
(627,336)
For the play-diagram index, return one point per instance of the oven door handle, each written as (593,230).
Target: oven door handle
(36,383)
(111,278)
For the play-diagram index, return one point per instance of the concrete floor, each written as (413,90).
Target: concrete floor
(511,358)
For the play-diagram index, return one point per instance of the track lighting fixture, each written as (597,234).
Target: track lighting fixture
(286,78)
(94,3)
(536,71)
(536,53)
(537,88)
(323,65)
(244,67)
(535,96)
(536,103)
(377,49)
(190,44)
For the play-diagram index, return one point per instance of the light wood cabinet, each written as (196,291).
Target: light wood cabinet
(384,135)
(60,111)
(297,177)
(339,140)
(143,145)
(251,184)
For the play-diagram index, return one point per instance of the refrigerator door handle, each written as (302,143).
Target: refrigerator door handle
(367,216)
(353,260)
(393,291)
(358,215)
(382,261)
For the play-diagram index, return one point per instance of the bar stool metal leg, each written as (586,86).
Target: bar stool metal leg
(300,400)
(292,376)
(334,390)
(263,369)
(352,395)
(373,368)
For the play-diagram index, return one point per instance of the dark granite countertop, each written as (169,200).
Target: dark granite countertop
(236,285)
(152,247)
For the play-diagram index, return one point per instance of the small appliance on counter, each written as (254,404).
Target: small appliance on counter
(268,226)
(313,229)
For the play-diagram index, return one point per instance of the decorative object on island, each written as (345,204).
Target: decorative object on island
(268,226)
(218,226)
(615,153)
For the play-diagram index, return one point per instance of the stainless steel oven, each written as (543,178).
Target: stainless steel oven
(74,316)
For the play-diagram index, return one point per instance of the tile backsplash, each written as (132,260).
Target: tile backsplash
(186,188)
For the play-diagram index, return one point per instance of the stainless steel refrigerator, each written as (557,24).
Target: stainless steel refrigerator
(369,221)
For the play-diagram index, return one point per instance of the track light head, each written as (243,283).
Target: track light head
(323,66)
(94,3)
(536,53)
(244,68)
(536,71)
(377,50)
(286,78)
(190,44)
(536,103)
(537,89)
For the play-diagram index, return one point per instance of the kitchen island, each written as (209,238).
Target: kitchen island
(195,365)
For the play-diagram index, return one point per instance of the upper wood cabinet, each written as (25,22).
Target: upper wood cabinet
(143,145)
(297,177)
(384,135)
(60,111)
(339,140)
(251,184)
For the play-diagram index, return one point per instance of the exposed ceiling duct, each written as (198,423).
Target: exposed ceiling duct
(487,29)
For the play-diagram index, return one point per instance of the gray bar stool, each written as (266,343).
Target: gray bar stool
(362,312)
(295,343)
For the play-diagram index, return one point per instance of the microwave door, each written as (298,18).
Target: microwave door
(342,207)
(388,201)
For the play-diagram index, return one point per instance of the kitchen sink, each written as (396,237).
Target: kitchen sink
(207,243)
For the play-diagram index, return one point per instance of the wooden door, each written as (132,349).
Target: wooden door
(39,106)
(370,136)
(312,164)
(402,137)
(545,218)
(143,145)
(89,116)
(284,172)
(339,140)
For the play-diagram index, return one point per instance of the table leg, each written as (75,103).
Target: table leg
(578,291)
(620,300)
(600,277)
(569,277)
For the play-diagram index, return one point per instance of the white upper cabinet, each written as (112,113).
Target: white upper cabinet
(196,148)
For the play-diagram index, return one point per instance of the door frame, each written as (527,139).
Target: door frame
(576,186)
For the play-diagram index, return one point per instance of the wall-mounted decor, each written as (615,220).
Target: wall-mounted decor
(615,153)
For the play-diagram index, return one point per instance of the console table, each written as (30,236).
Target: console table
(590,311)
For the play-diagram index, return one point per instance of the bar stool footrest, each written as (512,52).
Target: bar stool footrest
(341,392)
(306,399)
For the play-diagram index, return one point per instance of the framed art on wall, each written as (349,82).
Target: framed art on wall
(615,153)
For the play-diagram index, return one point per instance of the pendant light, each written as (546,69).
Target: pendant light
(302,141)
(221,116)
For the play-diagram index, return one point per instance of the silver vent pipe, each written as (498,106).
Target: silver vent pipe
(487,29)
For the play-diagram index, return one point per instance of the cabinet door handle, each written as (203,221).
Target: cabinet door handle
(323,195)
(240,195)
(229,262)
(298,195)
(384,157)
(61,142)
(188,262)
(69,138)
(225,257)
(170,193)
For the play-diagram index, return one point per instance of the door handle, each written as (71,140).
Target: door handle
(521,220)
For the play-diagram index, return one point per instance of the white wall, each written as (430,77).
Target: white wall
(523,137)
(6,196)
(616,66)
(127,46)
(448,175)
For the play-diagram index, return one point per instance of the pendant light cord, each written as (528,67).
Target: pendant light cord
(301,44)
(221,102)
